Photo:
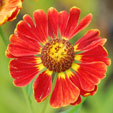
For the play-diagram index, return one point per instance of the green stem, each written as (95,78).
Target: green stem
(27,100)
(54,75)
(3,37)
(45,106)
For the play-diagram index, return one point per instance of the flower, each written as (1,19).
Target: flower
(42,47)
(9,9)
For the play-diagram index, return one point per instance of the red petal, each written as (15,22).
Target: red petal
(88,93)
(96,54)
(53,22)
(63,20)
(9,10)
(24,29)
(64,93)
(29,20)
(42,86)
(72,22)
(41,25)
(14,14)
(23,70)
(78,101)
(28,29)
(22,46)
(83,24)
(75,79)
(8,54)
(90,74)
(90,40)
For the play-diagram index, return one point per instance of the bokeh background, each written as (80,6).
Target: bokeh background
(12,99)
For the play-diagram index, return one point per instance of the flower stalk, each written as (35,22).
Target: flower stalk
(3,37)
(29,104)
(54,77)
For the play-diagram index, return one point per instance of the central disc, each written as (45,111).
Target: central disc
(57,55)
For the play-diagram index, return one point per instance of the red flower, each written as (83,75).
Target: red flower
(43,47)
(9,9)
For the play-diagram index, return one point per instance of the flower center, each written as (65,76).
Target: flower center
(57,55)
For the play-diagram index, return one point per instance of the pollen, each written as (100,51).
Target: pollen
(57,55)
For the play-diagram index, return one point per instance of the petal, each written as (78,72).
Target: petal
(8,54)
(75,79)
(64,93)
(90,74)
(63,20)
(37,31)
(41,21)
(83,24)
(42,85)
(9,10)
(96,54)
(88,93)
(22,46)
(78,101)
(29,20)
(14,14)
(90,40)
(24,69)
(72,22)
(72,76)
(53,22)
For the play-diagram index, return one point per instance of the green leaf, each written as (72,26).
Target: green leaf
(75,109)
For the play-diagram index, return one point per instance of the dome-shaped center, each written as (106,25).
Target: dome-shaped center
(57,55)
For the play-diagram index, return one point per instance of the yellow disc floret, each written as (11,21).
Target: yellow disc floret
(57,55)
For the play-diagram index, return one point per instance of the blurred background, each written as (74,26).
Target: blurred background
(12,98)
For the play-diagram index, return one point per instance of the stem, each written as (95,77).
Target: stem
(54,75)
(3,37)
(45,106)
(28,102)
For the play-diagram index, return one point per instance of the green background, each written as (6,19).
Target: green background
(12,99)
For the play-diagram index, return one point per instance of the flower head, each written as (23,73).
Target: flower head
(9,10)
(43,46)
